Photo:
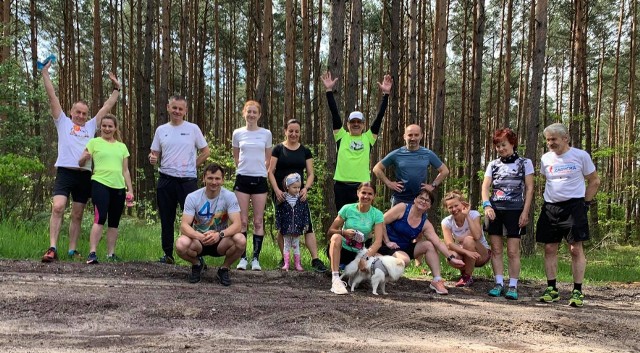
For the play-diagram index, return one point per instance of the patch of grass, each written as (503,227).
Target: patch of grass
(139,241)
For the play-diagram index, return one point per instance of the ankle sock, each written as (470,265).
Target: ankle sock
(335,275)
(577,286)
(500,280)
(552,283)
(513,282)
(437,278)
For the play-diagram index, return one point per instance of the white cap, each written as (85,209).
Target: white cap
(356,115)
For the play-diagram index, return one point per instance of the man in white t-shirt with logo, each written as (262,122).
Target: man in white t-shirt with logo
(74,131)
(180,148)
(564,212)
(211,225)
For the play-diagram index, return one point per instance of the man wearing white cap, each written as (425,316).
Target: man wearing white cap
(354,145)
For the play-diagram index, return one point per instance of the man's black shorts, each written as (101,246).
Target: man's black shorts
(74,182)
(210,250)
(567,219)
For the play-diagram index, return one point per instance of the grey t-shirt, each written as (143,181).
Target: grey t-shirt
(412,168)
(211,214)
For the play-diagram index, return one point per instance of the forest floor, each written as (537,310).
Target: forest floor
(149,307)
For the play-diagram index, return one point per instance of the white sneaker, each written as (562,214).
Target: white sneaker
(242,265)
(255,265)
(339,287)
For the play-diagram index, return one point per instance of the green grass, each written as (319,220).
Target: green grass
(139,241)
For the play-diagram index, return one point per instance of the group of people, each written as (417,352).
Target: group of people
(215,220)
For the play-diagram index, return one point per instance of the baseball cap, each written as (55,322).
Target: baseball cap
(356,115)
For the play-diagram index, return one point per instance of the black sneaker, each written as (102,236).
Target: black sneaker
(223,276)
(196,271)
(318,266)
(92,259)
(167,259)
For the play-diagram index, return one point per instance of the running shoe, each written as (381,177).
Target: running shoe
(496,291)
(255,265)
(113,258)
(318,266)
(576,299)
(512,293)
(51,255)
(167,259)
(550,295)
(242,265)
(196,272)
(339,287)
(464,281)
(92,259)
(74,254)
(439,287)
(223,276)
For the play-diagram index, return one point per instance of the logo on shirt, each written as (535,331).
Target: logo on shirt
(78,131)
(563,169)
(356,145)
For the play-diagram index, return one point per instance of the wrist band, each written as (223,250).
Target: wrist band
(486,204)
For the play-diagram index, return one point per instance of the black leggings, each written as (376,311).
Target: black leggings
(107,202)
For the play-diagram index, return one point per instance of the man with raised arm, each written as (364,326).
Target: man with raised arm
(74,131)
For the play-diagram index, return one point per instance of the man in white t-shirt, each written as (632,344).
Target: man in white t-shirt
(180,148)
(564,212)
(74,131)
(211,226)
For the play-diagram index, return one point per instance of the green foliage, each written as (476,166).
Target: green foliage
(18,119)
(16,185)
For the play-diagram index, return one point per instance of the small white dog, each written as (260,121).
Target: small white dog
(380,270)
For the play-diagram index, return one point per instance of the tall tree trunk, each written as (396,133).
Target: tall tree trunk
(630,168)
(613,119)
(395,45)
(528,241)
(265,54)
(506,98)
(476,93)
(96,87)
(335,65)
(5,22)
(413,62)
(290,62)
(163,89)
(145,187)
(355,31)
(306,69)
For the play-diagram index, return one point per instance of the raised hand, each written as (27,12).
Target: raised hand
(387,83)
(328,81)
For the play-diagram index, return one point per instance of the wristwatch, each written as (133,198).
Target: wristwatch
(221,235)
(434,185)
(450,257)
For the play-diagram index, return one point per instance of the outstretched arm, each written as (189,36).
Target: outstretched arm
(54,102)
(113,98)
(385,87)
(329,82)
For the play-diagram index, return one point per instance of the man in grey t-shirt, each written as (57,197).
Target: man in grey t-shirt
(411,164)
(211,226)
